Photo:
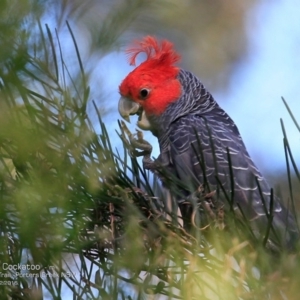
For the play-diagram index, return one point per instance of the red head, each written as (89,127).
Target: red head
(153,84)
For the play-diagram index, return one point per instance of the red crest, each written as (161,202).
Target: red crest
(154,50)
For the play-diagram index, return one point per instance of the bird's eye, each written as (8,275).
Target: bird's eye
(144,93)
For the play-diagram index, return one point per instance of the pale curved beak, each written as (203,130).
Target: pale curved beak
(127,108)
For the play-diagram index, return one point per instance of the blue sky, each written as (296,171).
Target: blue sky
(270,71)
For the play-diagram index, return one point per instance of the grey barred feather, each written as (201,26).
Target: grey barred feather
(196,124)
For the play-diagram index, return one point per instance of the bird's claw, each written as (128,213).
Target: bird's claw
(135,142)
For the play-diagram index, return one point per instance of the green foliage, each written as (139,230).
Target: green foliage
(79,220)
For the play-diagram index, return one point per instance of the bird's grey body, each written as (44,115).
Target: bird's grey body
(195,137)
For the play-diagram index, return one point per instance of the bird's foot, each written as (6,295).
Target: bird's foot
(135,142)
(211,211)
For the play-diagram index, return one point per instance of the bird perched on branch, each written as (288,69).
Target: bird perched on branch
(199,143)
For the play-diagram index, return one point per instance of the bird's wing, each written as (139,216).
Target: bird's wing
(198,150)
